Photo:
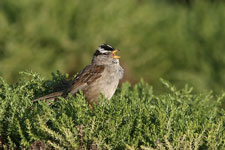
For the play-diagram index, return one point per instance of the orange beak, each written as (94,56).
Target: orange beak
(114,54)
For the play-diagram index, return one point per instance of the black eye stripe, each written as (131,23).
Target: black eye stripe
(99,53)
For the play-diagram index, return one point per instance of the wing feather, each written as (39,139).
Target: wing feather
(86,77)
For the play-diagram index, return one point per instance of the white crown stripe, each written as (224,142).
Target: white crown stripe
(109,46)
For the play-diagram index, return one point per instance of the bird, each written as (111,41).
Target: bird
(100,77)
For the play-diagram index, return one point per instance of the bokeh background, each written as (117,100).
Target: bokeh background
(182,41)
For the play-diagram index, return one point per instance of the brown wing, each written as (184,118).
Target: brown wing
(88,75)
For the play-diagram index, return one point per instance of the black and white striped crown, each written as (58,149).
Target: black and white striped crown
(105,48)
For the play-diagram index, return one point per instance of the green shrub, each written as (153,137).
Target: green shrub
(135,118)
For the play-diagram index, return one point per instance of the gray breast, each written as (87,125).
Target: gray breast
(121,72)
(110,80)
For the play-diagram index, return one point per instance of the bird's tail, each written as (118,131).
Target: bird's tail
(50,97)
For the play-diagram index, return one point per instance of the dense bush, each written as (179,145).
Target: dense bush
(157,38)
(135,118)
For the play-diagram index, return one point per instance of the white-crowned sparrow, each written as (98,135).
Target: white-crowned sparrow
(100,77)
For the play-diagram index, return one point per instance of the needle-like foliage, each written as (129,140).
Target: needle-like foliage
(135,118)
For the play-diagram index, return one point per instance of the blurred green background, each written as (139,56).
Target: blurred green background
(182,41)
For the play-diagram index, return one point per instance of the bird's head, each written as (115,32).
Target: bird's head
(106,52)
